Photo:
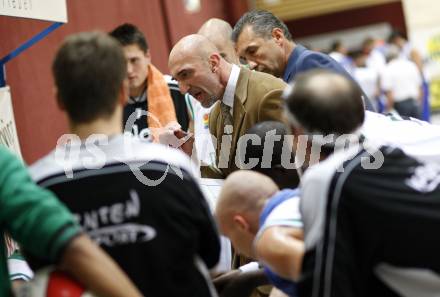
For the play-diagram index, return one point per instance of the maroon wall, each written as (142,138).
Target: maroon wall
(39,122)
(391,13)
(234,9)
(181,22)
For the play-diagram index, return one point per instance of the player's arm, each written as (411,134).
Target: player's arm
(95,270)
(416,57)
(242,283)
(390,101)
(386,85)
(420,83)
(46,230)
(282,249)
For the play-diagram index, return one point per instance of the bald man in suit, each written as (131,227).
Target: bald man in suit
(243,98)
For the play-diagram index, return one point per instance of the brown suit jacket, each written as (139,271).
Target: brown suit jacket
(257,99)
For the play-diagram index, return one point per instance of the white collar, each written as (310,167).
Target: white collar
(228,96)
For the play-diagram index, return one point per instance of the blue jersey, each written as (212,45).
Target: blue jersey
(281,210)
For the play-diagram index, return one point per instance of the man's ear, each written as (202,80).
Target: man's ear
(214,61)
(59,101)
(147,54)
(241,223)
(123,92)
(278,36)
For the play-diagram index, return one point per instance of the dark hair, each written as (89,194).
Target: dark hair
(272,132)
(262,129)
(89,69)
(394,35)
(336,45)
(128,34)
(262,23)
(337,109)
(355,54)
(368,42)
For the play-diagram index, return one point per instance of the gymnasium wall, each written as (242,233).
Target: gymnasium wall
(38,120)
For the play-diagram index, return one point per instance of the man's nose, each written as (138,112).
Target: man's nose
(183,87)
(129,68)
(252,65)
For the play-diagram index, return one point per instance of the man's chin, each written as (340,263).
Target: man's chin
(134,86)
(208,103)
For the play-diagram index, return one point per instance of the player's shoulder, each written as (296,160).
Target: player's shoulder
(324,171)
(122,149)
(48,165)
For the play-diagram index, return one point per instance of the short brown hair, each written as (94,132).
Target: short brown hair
(89,69)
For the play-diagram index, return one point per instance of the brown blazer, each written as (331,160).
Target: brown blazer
(257,99)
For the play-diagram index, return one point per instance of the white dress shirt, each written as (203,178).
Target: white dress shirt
(368,79)
(228,96)
(402,77)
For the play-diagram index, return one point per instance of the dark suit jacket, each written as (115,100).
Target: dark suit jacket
(302,60)
(257,99)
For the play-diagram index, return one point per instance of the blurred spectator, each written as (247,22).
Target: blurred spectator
(375,59)
(339,53)
(367,78)
(402,84)
(407,51)
(396,38)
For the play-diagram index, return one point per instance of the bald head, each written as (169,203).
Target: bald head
(194,45)
(326,102)
(199,68)
(244,192)
(241,201)
(219,33)
(216,26)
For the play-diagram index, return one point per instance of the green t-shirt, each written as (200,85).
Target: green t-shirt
(33,217)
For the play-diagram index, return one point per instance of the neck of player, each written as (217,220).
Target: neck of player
(111,125)
(136,92)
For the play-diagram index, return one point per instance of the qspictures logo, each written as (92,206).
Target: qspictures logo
(304,150)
